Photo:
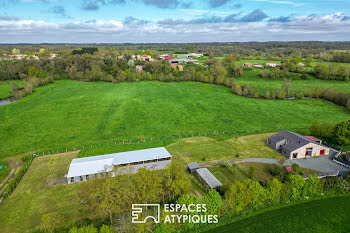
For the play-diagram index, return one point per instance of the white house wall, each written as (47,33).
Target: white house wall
(315,151)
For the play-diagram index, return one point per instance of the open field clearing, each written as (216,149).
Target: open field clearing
(320,216)
(66,114)
(262,85)
(37,194)
(202,149)
(5,87)
(240,172)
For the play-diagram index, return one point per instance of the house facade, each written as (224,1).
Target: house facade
(296,146)
(83,169)
(271,64)
(248,64)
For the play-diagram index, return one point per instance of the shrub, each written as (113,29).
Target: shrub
(296,168)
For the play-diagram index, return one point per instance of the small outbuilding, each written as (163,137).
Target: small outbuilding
(248,64)
(192,167)
(208,180)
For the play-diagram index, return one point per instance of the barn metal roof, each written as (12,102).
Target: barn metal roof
(106,163)
(208,177)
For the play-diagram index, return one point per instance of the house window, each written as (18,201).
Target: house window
(81,178)
(308,152)
(87,177)
(72,179)
(295,155)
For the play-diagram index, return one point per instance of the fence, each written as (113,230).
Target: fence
(13,184)
(17,178)
(158,139)
(323,174)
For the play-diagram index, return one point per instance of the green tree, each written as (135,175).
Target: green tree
(211,55)
(287,85)
(341,133)
(274,188)
(84,229)
(218,72)
(106,229)
(14,88)
(213,202)
(252,170)
(297,184)
(51,221)
(16,51)
(308,61)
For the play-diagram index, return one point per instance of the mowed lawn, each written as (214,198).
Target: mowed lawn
(204,149)
(5,87)
(320,216)
(240,171)
(262,85)
(35,195)
(67,113)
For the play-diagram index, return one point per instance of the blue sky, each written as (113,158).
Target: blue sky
(37,21)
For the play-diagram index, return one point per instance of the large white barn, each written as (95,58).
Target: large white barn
(82,169)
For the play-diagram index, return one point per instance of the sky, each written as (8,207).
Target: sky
(178,21)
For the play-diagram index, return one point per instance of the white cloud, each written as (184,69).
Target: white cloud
(329,27)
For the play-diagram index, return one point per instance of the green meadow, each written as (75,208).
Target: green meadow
(5,87)
(38,194)
(329,215)
(252,78)
(67,114)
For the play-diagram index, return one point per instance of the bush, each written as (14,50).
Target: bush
(296,168)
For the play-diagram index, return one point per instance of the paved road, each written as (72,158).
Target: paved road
(322,164)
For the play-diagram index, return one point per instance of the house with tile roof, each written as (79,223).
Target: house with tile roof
(297,146)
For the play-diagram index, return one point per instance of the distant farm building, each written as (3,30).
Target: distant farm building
(208,180)
(248,64)
(165,57)
(301,64)
(192,167)
(271,64)
(259,66)
(175,66)
(142,57)
(296,146)
(82,169)
(139,68)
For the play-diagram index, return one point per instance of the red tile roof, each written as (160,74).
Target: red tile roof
(313,138)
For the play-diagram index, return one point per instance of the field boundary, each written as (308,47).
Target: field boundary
(160,139)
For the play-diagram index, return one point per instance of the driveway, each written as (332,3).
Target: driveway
(322,164)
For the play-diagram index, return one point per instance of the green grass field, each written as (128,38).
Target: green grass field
(240,171)
(5,87)
(66,114)
(204,149)
(262,85)
(320,216)
(36,195)
(4,171)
